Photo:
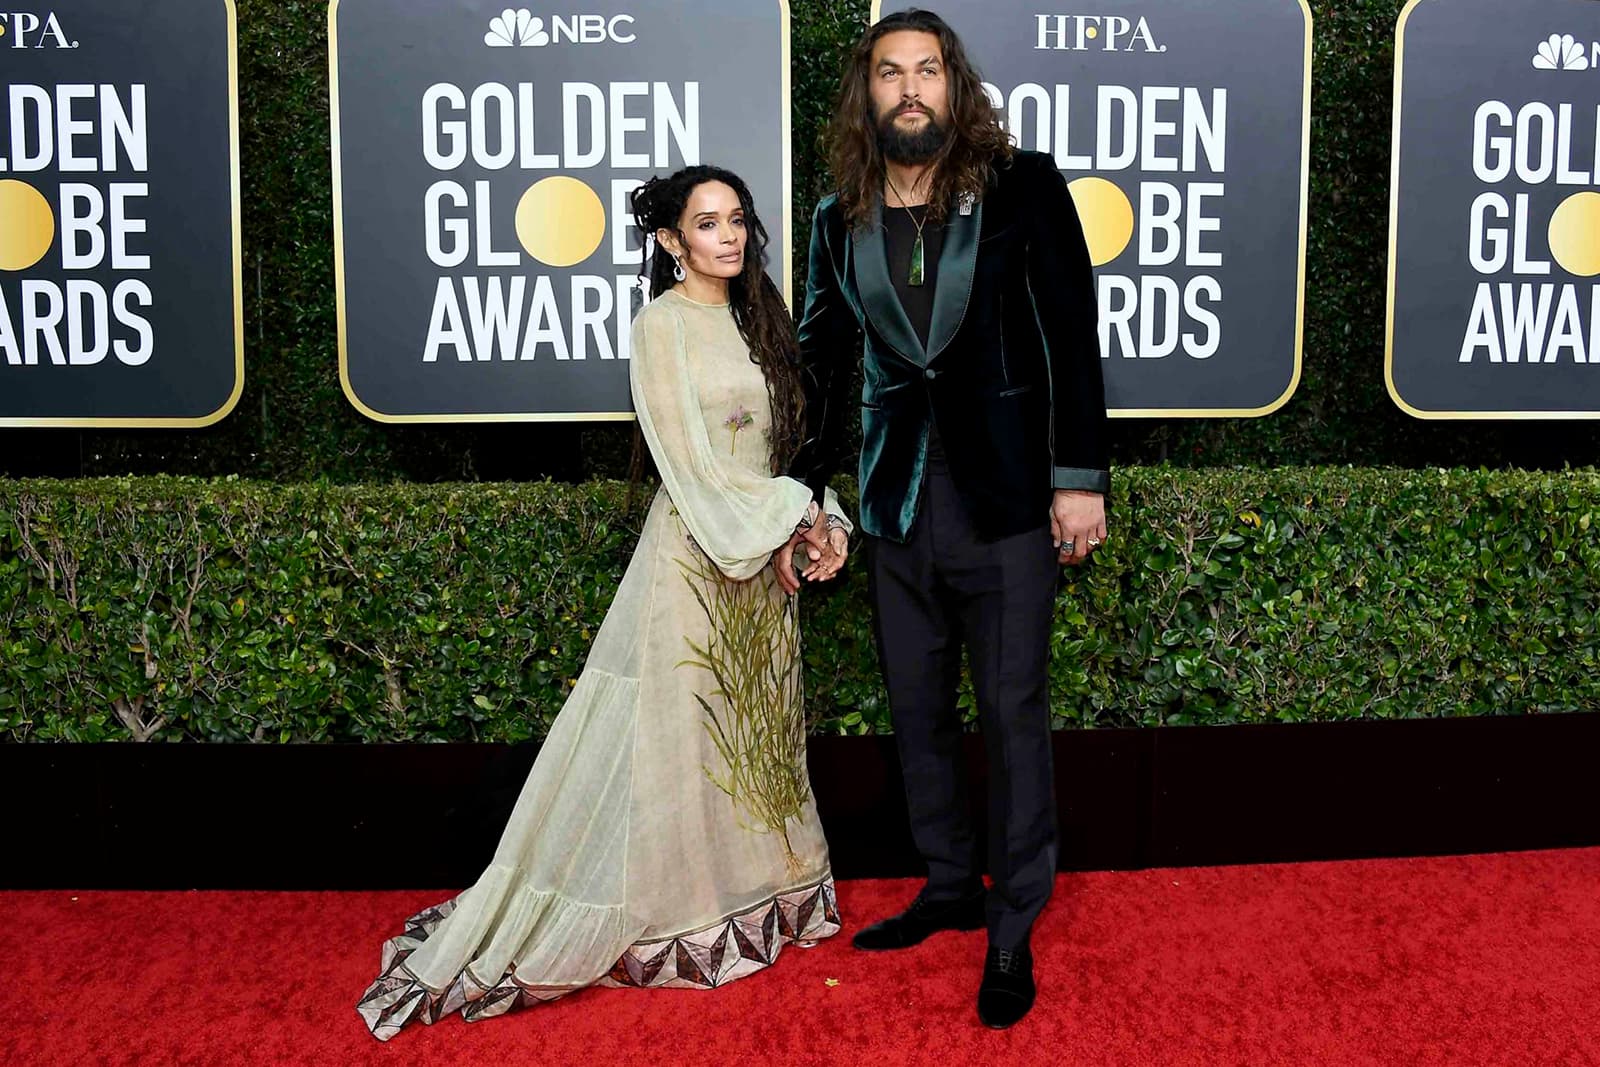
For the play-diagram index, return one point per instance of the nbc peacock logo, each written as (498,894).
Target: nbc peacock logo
(1562,51)
(516,26)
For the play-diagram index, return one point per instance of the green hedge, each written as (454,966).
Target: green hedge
(294,423)
(181,609)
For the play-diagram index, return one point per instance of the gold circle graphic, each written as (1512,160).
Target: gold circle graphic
(560,221)
(1575,234)
(1107,217)
(27,225)
(1092,33)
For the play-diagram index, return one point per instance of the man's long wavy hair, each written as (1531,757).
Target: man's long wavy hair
(975,140)
(758,309)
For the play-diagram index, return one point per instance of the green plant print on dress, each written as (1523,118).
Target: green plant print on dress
(754,715)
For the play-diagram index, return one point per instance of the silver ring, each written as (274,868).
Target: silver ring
(1094,542)
(1066,546)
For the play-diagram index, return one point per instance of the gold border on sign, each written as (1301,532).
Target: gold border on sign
(788,159)
(1300,284)
(199,421)
(540,416)
(1394,231)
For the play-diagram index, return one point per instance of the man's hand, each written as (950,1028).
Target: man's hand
(832,560)
(1077,524)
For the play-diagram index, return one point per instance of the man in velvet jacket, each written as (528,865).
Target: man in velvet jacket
(961,263)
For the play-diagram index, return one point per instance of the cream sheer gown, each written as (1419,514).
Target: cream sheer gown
(666,835)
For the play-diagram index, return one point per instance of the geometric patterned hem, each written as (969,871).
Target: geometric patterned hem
(713,956)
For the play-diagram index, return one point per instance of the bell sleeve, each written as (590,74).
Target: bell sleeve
(738,516)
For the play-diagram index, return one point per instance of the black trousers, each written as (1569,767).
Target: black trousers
(943,589)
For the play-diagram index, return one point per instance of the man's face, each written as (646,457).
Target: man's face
(909,95)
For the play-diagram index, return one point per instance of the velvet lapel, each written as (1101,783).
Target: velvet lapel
(877,291)
(957,262)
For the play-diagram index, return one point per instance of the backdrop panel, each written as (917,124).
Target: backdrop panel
(1494,227)
(120,295)
(482,158)
(1183,130)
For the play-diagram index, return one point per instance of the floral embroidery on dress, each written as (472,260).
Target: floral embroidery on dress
(741,419)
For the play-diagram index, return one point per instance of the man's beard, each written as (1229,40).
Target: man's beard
(910,147)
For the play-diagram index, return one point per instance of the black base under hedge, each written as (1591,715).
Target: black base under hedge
(428,816)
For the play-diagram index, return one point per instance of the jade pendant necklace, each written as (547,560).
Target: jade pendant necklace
(914,276)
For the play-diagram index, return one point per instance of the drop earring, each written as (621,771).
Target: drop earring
(677,268)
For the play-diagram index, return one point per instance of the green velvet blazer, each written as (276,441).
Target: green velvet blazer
(1011,371)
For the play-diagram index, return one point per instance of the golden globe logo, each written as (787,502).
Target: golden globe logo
(1530,147)
(1168,145)
(560,220)
(79,131)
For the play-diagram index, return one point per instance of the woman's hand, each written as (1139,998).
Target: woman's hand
(808,539)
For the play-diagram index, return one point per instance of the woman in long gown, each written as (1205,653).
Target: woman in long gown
(666,835)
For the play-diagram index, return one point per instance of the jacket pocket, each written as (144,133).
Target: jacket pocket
(1015,391)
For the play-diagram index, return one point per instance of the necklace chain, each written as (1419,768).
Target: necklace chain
(915,275)
(904,206)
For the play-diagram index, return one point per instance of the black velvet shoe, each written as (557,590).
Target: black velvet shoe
(923,919)
(1007,992)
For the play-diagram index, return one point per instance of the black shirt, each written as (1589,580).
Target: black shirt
(900,233)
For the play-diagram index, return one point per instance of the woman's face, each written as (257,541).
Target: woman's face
(713,224)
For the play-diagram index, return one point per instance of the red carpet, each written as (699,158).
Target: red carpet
(1469,960)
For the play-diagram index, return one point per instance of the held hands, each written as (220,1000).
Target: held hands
(784,561)
(833,556)
(816,550)
(1077,524)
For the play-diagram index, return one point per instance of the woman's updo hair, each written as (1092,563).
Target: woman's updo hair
(657,205)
